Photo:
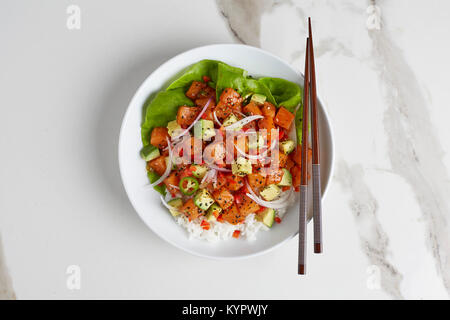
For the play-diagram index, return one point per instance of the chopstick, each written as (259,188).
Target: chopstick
(304,173)
(317,196)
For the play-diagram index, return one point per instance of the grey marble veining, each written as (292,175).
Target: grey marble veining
(250,11)
(387,208)
(414,151)
(374,239)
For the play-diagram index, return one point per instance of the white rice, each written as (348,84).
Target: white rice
(224,230)
(221,231)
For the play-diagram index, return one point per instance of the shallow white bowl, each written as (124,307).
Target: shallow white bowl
(146,201)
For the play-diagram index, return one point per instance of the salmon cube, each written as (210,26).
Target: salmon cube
(289,163)
(195,89)
(234,182)
(252,109)
(222,111)
(186,115)
(158,165)
(220,181)
(247,206)
(282,160)
(232,215)
(296,156)
(208,115)
(207,92)
(268,110)
(274,176)
(231,98)
(191,210)
(224,198)
(296,176)
(256,181)
(158,137)
(267,124)
(249,126)
(284,118)
(172,182)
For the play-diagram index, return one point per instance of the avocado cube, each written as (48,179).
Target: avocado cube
(241,167)
(176,204)
(270,192)
(267,216)
(210,217)
(199,171)
(173,128)
(174,166)
(287,146)
(255,141)
(258,98)
(204,129)
(213,212)
(230,120)
(149,153)
(286,180)
(203,199)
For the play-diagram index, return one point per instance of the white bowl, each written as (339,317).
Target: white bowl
(146,201)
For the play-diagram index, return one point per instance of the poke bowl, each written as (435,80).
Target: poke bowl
(208,151)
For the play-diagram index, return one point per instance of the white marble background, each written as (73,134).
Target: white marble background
(381,69)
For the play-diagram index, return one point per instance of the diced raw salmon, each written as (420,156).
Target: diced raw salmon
(268,109)
(158,137)
(256,181)
(191,210)
(232,215)
(172,182)
(252,109)
(284,118)
(234,182)
(195,89)
(247,206)
(158,165)
(223,197)
(186,115)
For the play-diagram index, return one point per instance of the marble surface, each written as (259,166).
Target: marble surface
(381,69)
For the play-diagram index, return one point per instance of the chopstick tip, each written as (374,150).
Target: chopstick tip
(309,27)
(301,269)
(317,248)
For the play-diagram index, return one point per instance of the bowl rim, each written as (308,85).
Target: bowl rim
(135,96)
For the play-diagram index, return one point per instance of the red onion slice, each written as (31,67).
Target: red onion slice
(168,167)
(217,120)
(251,156)
(282,202)
(243,122)
(209,177)
(218,168)
(165,204)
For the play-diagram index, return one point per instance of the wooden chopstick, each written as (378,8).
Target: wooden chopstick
(304,172)
(317,196)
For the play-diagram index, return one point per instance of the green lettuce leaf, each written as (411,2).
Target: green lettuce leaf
(162,109)
(288,95)
(299,123)
(152,177)
(164,106)
(236,78)
(196,72)
(285,93)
